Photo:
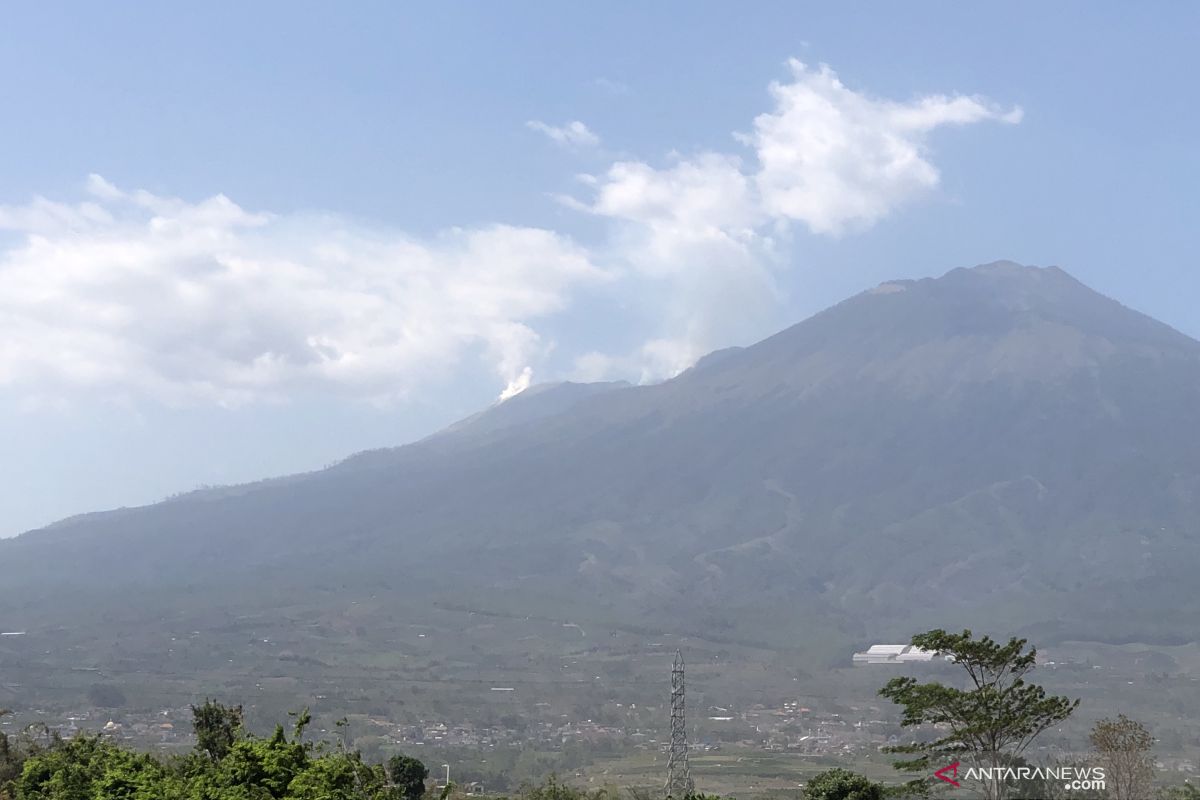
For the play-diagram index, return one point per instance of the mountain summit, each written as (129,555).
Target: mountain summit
(1001,446)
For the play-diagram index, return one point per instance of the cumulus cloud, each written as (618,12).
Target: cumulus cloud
(573,134)
(133,294)
(691,236)
(831,158)
(129,293)
(824,155)
(708,226)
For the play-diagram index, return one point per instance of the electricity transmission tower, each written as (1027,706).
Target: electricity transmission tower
(679,773)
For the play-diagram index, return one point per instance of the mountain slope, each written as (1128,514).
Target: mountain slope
(1001,446)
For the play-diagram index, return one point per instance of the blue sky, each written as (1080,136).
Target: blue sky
(238,240)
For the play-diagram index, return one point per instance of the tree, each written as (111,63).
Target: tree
(408,775)
(990,723)
(217,727)
(1123,746)
(90,767)
(842,784)
(10,761)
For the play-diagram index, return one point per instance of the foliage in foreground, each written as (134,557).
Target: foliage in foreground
(229,764)
(842,784)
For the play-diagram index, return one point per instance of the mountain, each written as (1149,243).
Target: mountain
(1001,447)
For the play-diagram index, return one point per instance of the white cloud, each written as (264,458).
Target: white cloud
(573,134)
(690,235)
(833,158)
(700,209)
(707,227)
(709,193)
(825,155)
(132,294)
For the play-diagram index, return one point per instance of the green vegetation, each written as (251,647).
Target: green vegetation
(991,723)
(228,764)
(10,760)
(842,784)
(408,775)
(217,728)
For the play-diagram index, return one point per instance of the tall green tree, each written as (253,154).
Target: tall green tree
(989,723)
(217,727)
(408,775)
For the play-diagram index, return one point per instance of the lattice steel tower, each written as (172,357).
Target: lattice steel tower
(679,773)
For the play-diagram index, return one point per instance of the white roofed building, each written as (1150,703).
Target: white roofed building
(893,654)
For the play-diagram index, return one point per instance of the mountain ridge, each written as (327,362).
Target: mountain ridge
(941,450)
